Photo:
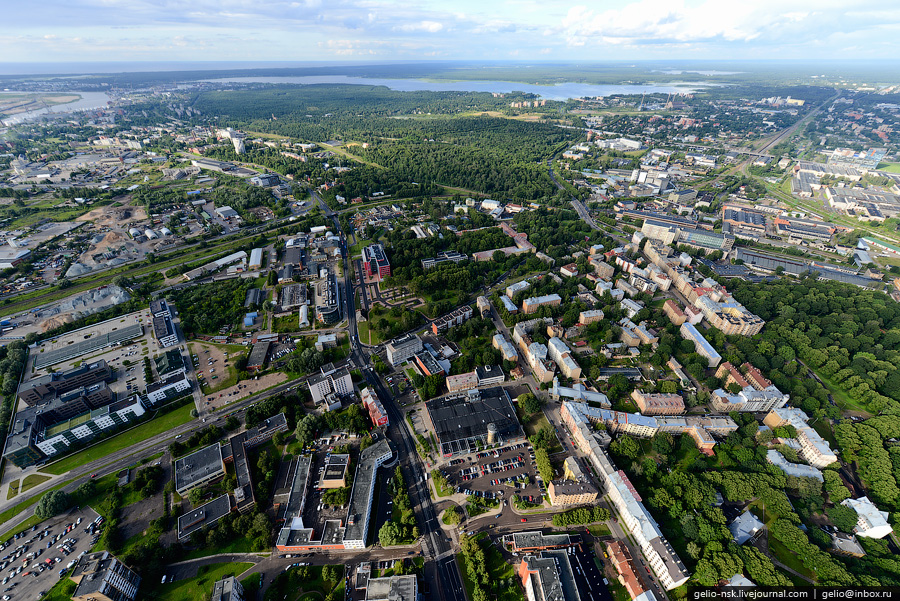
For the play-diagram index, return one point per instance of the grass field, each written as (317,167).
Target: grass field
(61,591)
(533,425)
(366,336)
(789,558)
(157,426)
(33,480)
(199,587)
(240,545)
(287,323)
(889,167)
(13,489)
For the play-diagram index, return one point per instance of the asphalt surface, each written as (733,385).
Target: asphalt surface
(25,585)
(441,573)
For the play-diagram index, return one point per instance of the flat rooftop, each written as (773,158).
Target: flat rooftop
(297,498)
(336,467)
(457,418)
(206,514)
(363,489)
(394,588)
(198,466)
(83,347)
(535,539)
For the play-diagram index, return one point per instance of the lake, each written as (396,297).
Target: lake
(561,91)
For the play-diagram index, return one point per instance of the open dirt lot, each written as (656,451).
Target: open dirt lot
(244,389)
(138,516)
(115,217)
(218,358)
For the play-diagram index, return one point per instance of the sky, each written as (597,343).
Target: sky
(379,30)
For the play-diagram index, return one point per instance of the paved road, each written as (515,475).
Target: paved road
(133,454)
(442,573)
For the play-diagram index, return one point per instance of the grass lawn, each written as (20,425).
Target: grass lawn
(618,591)
(287,323)
(33,480)
(841,398)
(194,589)
(533,425)
(117,443)
(889,167)
(240,545)
(61,591)
(599,529)
(367,336)
(313,588)
(789,558)
(13,489)
(442,491)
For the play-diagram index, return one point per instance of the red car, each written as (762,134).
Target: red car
(524,520)
(93,475)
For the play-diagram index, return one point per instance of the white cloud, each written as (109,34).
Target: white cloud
(592,30)
(428,26)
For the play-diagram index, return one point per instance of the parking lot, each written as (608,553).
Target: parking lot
(589,578)
(496,474)
(33,560)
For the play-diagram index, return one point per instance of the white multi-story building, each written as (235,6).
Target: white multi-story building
(562,355)
(403,348)
(701,345)
(871,521)
(337,382)
(167,389)
(360,505)
(749,399)
(814,449)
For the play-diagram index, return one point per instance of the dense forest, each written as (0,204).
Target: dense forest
(206,308)
(680,485)
(491,155)
(846,334)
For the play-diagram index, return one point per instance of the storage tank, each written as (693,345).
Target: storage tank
(304,316)
(492,433)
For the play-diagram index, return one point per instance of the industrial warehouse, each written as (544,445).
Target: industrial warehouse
(479,417)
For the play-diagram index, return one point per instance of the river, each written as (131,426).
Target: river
(88,100)
(561,91)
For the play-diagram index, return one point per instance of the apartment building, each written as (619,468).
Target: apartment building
(814,449)
(658,404)
(703,347)
(403,348)
(569,492)
(533,304)
(562,355)
(674,312)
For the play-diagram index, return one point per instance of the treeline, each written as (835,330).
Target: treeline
(581,516)
(869,444)
(331,111)
(12,362)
